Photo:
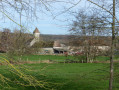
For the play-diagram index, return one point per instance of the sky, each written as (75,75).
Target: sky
(54,21)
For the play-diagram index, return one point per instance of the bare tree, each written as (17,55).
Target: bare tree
(113,39)
(88,27)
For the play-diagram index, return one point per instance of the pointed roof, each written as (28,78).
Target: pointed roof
(36,30)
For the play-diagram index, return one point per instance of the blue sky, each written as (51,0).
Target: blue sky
(46,23)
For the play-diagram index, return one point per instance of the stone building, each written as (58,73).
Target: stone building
(36,34)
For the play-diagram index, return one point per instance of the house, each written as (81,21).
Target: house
(59,48)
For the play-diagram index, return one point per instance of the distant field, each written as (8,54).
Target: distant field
(73,76)
(56,57)
(45,57)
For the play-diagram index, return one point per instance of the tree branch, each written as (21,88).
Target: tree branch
(104,9)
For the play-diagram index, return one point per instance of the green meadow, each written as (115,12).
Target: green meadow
(56,57)
(59,76)
(67,76)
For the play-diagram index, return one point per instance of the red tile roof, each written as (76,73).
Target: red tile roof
(36,31)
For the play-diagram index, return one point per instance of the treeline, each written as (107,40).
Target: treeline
(18,42)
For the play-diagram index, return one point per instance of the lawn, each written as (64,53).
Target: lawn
(63,76)
(44,57)
(56,58)
(73,76)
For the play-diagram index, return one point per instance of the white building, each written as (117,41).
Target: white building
(36,34)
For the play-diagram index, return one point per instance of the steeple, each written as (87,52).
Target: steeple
(36,30)
(36,34)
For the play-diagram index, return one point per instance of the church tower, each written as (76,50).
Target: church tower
(36,34)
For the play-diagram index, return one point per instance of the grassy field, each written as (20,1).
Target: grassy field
(67,76)
(73,76)
(56,57)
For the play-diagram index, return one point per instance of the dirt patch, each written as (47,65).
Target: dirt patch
(28,62)
(33,62)
(115,61)
(46,61)
(101,62)
(50,61)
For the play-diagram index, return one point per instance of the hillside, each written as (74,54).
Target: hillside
(78,40)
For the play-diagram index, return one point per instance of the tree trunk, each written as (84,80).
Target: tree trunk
(112,49)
